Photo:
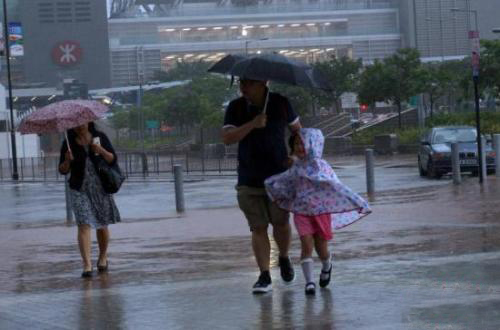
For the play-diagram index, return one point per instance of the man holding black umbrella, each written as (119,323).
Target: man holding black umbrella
(257,121)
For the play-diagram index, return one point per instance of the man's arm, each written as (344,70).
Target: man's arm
(233,134)
(295,126)
(293,119)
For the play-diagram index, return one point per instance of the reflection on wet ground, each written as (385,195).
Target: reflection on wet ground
(426,259)
(41,204)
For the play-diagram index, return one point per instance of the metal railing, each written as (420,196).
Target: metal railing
(148,164)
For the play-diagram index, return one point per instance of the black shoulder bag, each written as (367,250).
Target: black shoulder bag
(111,176)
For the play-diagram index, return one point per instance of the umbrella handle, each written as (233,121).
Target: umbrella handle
(265,103)
(67,142)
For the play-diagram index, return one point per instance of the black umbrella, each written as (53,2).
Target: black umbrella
(278,68)
(226,63)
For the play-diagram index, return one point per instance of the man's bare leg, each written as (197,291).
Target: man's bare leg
(262,250)
(261,247)
(282,235)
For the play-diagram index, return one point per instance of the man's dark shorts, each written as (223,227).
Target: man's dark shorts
(258,208)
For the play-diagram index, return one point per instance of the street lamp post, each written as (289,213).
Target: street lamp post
(441,30)
(474,36)
(15,175)
(140,126)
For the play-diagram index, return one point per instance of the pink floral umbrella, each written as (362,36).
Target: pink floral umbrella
(61,116)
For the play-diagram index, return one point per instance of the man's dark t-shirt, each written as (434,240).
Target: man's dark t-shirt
(262,153)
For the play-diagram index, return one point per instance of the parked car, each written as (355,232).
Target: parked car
(434,155)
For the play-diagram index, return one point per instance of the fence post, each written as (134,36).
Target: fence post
(220,168)
(144,164)
(124,155)
(483,158)
(69,211)
(496,142)
(172,162)
(44,168)
(129,163)
(153,165)
(22,166)
(187,161)
(455,163)
(202,159)
(10,167)
(157,163)
(33,167)
(179,189)
(57,172)
(1,170)
(370,173)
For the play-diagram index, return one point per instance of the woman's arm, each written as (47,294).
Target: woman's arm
(65,160)
(105,149)
(108,156)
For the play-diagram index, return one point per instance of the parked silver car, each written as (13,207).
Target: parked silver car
(434,156)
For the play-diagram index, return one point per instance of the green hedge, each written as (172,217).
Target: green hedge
(406,136)
(490,124)
(490,121)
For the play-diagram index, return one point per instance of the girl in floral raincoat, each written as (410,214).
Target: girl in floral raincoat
(318,200)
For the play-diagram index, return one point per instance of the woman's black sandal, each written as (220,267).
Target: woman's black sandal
(102,269)
(88,273)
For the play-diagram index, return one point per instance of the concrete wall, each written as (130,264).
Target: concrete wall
(431,27)
(407,23)
(47,23)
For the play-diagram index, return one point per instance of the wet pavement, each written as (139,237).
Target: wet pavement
(42,203)
(427,258)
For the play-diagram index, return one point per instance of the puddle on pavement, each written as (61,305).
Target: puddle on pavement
(139,261)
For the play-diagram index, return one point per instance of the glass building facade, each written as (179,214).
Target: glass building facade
(146,37)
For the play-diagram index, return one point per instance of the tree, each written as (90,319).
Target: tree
(458,78)
(213,91)
(301,99)
(370,87)
(395,79)
(200,101)
(342,75)
(437,80)
(120,116)
(125,117)
(184,71)
(490,65)
(197,103)
(403,77)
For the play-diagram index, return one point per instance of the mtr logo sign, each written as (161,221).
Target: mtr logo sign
(67,53)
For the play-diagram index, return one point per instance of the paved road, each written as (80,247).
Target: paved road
(427,258)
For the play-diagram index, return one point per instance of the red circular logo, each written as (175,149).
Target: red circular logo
(67,53)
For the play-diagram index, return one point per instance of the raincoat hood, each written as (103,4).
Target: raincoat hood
(313,141)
